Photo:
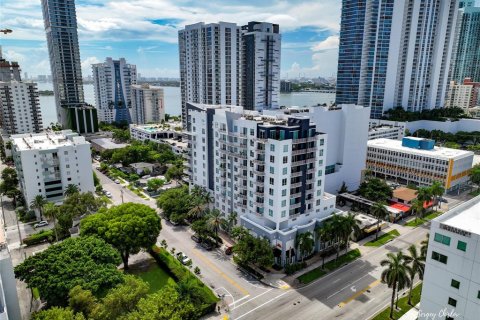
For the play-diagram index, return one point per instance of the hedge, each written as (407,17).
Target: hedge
(180,273)
(39,237)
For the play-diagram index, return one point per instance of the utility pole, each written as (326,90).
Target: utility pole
(121,192)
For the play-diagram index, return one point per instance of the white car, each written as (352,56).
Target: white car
(42,223)
(186,260)
(108,194)
(117,181)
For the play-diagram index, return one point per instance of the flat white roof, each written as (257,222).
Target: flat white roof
(47,140)
(437,152)
(108,143)
(465,217)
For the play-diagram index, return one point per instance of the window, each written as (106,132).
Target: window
(284,213)
(284,192)
(270,212)
(272,170)
(272,181)
(285,170)
(270,202)
(272,147)
(285,159)
(452,302)
(442,239)
(455,284)
(439,257)
(284,203)
(285,148)
(284,182)
(272,159)
(270,191)
(478,294)
(462,245)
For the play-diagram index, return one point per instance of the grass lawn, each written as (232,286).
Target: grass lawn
(420,221)
(36,294)
(403,305)
(329,266)
(151,273)
(384,238)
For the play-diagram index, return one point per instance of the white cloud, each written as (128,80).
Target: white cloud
(324,64)
(328,44)
(87,65)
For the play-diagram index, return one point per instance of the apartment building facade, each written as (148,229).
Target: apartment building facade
(60,21)
(395,53)
(270,169)
(19,105)
(148,104)
(418,161)
(451,283)
(112,81)
(225,64)
(48,162)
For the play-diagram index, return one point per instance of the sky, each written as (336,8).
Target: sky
(145,32)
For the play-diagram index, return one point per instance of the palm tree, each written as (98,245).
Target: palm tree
(417,267)
(51,212)
(395,275)
(214,221)
(37,203)
(343,188)
(417,208)
(231,221)
(305,243)
(71,190)
(380,212)
(424,246)
(325,235)
(424,195)
(350,226)
(437,191)
(337,230)
(197,211)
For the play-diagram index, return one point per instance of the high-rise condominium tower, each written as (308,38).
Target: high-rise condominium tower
(466,58)
(224,64)
(395,53)
(112,80)
(62,39)
(147,104)
(19,105)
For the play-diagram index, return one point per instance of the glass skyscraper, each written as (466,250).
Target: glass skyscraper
(62,39)
(395,53)
(466,61)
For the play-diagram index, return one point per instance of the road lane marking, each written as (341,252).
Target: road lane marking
(359,293)
(261,294)
(242,298)
(273,299)
(347,286)
(220,272)
(337,280)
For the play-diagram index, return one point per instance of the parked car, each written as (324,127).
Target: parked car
(42,223)
(195,238)
(108,194)
(206,245)
(186,260)
(229,250)
(117,181)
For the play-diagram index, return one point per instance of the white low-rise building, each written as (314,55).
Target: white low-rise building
(451,284)
(385,131)
(170,133)
(269,168)
(418,161)
(48,162)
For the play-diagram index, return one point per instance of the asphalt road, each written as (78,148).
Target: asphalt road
(351,292)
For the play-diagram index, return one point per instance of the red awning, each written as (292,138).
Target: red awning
(427,204)
(400,206)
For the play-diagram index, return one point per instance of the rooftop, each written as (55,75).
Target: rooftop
(108,143)
(47,140)
(405,194)
(465,216)
(437,152)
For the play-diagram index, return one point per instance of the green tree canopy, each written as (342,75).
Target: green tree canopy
(127,227)
(375,190)
(250,249)
(57,313)
(175,203)
(86,261)
(475,175)
(166,304)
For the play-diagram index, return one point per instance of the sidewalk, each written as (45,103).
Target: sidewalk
(316,260)
(412,314)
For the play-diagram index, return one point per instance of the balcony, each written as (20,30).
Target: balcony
(295,206)
(296,185)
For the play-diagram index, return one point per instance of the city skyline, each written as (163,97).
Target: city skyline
(149,38)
